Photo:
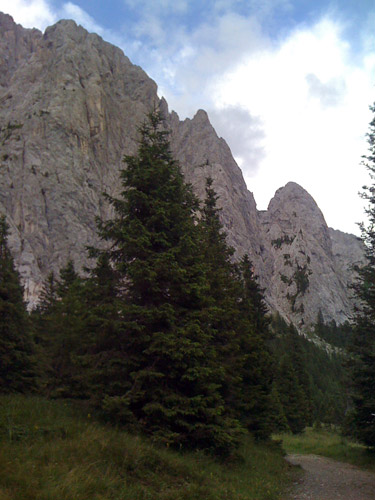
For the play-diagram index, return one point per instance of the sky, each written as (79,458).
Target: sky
(287,83)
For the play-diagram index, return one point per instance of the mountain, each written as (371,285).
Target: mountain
(70,104)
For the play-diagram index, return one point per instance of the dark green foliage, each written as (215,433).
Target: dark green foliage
(256,366)
(239,323)
(166,379)
(362,364)
(292,396)
(58,324)
(103,359)
(363,346)
(279,422)
(48,295)
(6,132)
(322,375)
(336,335)
(301,277)
(17,363)
(292,382)
(279,242)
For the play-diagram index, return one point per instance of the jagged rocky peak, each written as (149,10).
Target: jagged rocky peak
(307,275)
(295,209)
(17,44)
(203,154)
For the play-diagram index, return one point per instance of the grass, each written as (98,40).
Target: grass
(328,444)
(52,450)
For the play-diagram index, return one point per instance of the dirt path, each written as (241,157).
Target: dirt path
(326,479)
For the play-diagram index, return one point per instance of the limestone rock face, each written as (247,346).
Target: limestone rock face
(70,105)
(203,154)
(311,263)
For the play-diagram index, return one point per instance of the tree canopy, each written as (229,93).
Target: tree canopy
(17,353)
(363,345)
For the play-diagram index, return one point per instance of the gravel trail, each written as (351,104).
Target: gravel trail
(326,479)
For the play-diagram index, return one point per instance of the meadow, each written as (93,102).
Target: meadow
(57,450)
(328,443)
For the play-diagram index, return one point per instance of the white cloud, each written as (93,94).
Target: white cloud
(243,131)
(329,93)
(30,13)
(212,50)
(313,100)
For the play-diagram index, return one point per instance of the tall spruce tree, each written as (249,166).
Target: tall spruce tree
(58,324)
(291,378)
(256,367)
(222,293)
(17,361)
(169,385)
(238,318)
(103,359)
(363,344)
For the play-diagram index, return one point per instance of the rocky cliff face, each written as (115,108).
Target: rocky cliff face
(311,263)
(69,107)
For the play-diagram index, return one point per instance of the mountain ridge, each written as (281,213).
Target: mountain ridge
(70,107)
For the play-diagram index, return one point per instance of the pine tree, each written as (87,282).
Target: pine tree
(44,327)
(256,368)
(363,344)
(297,357)
(291,380)
(222,293)
(58,323)
(169,385)
(17,362)
(48,296)
(292,397)
(238,318)
(103,360)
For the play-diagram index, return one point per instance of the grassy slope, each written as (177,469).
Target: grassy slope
(49,450)
(329,444)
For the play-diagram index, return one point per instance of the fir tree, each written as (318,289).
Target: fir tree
(291,380)
(58,322)
(17,362)
(292,396)
(222,293)
(103,360)
(169,384)
(256,367)
(363,344)
(238,318)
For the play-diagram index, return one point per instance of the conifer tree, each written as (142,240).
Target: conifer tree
(363,344)
(291,380)
(222,293)
(238,317)
(48,295)
(103,360)
(292,397)
(68,315)
(256,367)
(17,361)
(169,385)
(297,358)
(58,322)
(45,327)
